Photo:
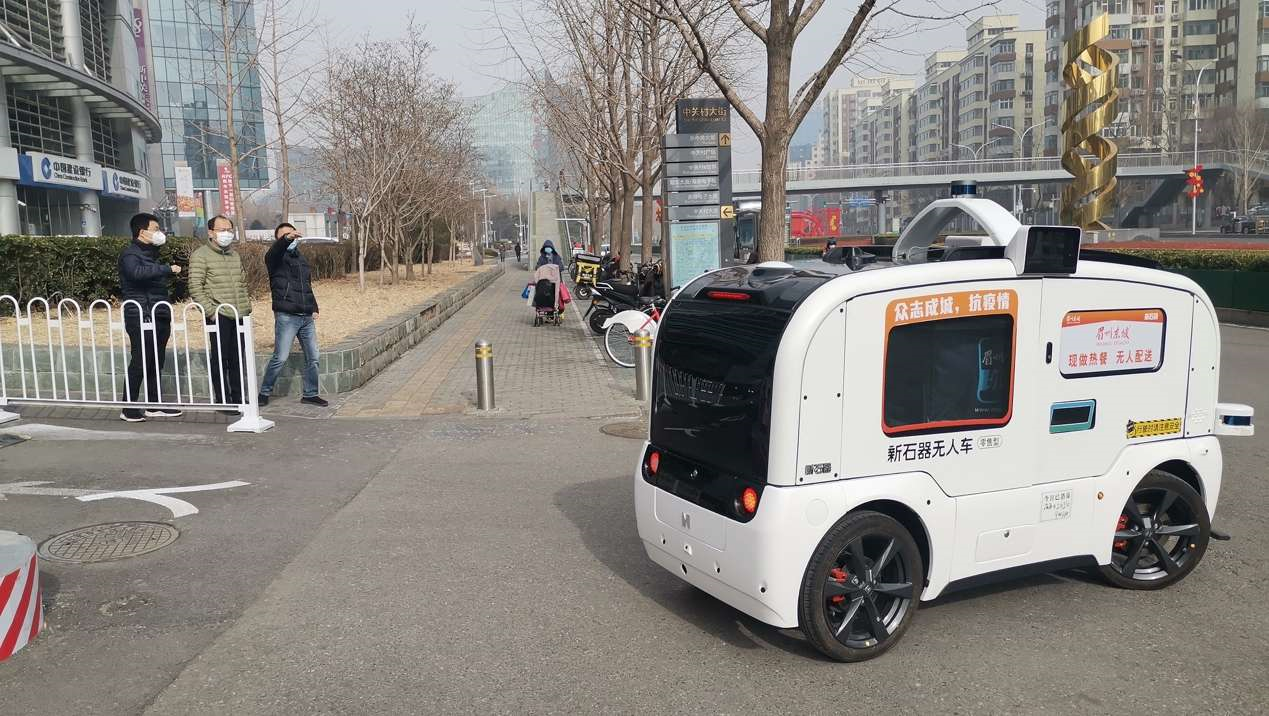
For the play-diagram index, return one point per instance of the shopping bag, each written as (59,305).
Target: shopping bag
(525,293)
(564,295)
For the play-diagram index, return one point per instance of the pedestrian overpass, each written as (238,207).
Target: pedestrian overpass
(987,172)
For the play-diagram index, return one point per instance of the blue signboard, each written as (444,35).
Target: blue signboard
(693,250)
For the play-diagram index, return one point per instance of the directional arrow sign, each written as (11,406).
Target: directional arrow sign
(157,496)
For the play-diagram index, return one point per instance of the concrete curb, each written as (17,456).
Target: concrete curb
(21,608)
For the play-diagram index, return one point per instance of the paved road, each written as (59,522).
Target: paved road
(466,564)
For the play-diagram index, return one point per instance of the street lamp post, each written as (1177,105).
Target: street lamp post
(1022,137)
(519,214)
(1198,88)
(973,151)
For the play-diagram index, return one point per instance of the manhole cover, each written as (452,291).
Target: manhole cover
(102,543)
(634,429)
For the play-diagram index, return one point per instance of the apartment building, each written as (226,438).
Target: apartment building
(843,109)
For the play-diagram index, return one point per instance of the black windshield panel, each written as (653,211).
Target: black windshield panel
(712,383)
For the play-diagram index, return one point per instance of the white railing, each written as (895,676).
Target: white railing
(61,354)
(749,180)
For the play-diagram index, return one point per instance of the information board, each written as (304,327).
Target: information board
(1114,341)
(693,250)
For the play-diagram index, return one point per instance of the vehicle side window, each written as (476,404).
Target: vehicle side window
(949,374)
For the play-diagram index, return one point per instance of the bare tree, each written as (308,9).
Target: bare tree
(284,27)
(1244,132)
(784,109)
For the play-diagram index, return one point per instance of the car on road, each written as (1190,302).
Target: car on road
(829,450)
(1255,221)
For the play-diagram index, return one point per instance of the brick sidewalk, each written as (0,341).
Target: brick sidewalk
(547,370)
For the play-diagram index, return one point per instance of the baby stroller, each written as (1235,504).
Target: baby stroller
(545,295)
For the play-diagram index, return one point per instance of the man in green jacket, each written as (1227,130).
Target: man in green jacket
(216,279)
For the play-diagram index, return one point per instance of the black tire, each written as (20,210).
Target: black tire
(584,292)
(846,609)
(1161,535)
(597,318)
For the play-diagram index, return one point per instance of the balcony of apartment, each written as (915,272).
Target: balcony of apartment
(1227,11)
(1001,57)
(997,132)
(1052,20)
(1002,94)
(1224,38)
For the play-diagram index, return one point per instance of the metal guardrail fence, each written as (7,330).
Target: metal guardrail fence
(40,366)
(749,180)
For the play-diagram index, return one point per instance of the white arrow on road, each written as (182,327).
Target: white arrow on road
(157,495)
(33,488)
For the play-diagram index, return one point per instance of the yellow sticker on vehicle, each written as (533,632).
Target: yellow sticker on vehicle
(1153,428)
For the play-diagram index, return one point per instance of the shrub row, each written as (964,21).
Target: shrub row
(86,267)
(1211,259)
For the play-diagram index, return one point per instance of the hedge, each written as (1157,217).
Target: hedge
(86,267)
(1211,259)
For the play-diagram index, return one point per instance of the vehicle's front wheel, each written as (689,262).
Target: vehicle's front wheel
(1161,535)
(862,587)
(584,291)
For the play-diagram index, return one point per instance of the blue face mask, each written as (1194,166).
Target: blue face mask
(549,250)
(294,246)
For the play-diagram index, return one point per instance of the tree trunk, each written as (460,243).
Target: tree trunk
(771,229)
(284,163)
(627,224)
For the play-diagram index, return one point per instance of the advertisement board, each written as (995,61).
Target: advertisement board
(123,185)
(186,206)
(1115,341)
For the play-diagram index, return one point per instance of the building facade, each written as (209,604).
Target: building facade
(843,108)
(77,117)
(190,81)
(507,136)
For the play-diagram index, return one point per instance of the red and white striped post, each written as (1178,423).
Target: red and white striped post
(21,610)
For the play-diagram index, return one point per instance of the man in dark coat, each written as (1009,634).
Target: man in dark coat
(147,317)
(294,312)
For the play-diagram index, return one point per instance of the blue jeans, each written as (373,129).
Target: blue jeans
(286,326)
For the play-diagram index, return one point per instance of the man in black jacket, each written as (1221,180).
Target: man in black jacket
(294,312)
(143,282)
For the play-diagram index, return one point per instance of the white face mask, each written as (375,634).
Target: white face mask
(224,238)
(158,238)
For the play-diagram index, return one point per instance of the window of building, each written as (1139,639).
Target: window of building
(1199,52)
(105,148)
(40,123)
(948,374)
(1005,104)
(1176,31)
(96,38)
(1201,4)
(38,25)
(1200,27)
(1118,7)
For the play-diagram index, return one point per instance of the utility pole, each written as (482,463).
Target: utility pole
(519,214)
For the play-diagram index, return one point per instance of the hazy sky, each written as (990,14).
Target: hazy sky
(465,40)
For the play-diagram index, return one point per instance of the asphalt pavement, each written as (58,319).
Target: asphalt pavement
(469,564)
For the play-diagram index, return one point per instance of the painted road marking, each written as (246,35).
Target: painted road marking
(156,495)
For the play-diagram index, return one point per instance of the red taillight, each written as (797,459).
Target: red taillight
(654,462)
(727,295)
(749,500)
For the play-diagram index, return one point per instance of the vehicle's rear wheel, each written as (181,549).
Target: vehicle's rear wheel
(1161,535)
(584,291)
(862,587)
(619,344)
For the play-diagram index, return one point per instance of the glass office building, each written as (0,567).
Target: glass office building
(189,81)
(75,120)
(504,131)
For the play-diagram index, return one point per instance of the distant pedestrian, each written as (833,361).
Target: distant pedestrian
(548,255)
(518,250)
(143,283)
(218,283)
(294,312)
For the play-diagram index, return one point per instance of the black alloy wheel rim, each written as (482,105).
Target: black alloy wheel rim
(868,591)
(1156,536)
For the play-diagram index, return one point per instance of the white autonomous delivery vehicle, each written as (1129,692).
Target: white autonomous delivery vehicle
(825,451)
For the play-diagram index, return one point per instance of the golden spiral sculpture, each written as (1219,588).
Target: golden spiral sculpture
(1090,108)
